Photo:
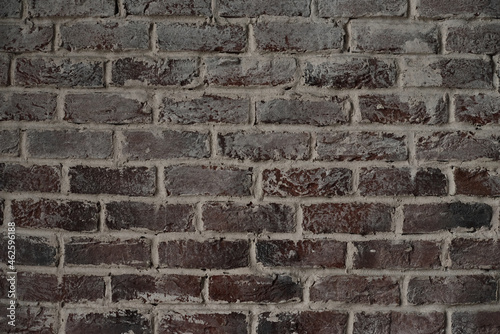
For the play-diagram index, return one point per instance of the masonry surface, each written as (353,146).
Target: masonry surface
(230,166)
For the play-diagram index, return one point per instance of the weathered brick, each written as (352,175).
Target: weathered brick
(360,8)
(21,38)
(101,8)
(137,215)
(208,180)
(255,218)
(478,109)
(9,142)
(156,289)
(59,72)
(473,253)
(201,37)
(386,254)
(52,214)
(208,108)
(11,8)
(92,251)
(350,72)
(30,318)
(256,289)
(356,289)
(2,207)
(425,218)
(264,146)
(475,322)
(218,254)
(477,182)
(227,323)
(27,106)
(4,69)
(109,108)
(169,7)
(105,35)
(112,322)
(382,181)
(63,144)
(30,178)
(483,38)
(404,108)
(154,72)
(458,8)
(231,8)
(447,72)
(34,287)
(318,113)
(356,218)
(398,322)
(33,251)
(320,322)
(76,288)
(286,36)
(452,290)
(361,146)
(231,71)
(131,181)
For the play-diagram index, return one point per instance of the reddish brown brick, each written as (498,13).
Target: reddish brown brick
(356,218)
(307,182)
(474,253)
(360,8)
(256,289)
(321,322)
(4,69)
(477,182)
(30,318)
(52,214)
(231,8)
(398,322)
(208,180)
(482,39)
(27,106)
(112,322)
(34,287)
(256,218)
(152,289)
(227,323)
(131,181)
(9,142)
(386,254)
(475,322)
(219,254)
(21,38)
(478,109)
(169,7)
(91,251)
(30,178)
(458,8)
(356,289)
(33,251)
(137,215)
(11,8)
(75,288)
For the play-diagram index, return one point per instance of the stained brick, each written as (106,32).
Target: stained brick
(478,109)
(11,8)
(21,38)
(231,8)
(27,106)
(30,178)
(112,322)
(484,38)
(458,8)
(38,319)
(399,322)
(474,254)
(475,322)
(320,322)
(477,182)
(9,142)
(33,251)
(360,8)
(4,69)
(169,7)
(101,8)
(227,323)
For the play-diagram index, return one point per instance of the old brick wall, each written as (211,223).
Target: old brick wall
(251,166)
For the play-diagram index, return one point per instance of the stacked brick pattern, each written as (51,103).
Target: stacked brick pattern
(228,166)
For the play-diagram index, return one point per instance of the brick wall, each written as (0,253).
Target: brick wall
(257,166)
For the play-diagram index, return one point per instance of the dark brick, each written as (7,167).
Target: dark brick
(2,208)
(360,8)
(477,182)
(398,322)
(100,8)
(458,8)
(477,109)
(9,142)
(231,8)
(30,178)
(4,69)
(224,323)
(30,318)
(11,8)
(27,106)
(33,251)
(21,38)
(475,254)
(36,287)
(76,288)
(355,218)
(318,322)
(484,38)
(113,322)
(487,322)
(169,7)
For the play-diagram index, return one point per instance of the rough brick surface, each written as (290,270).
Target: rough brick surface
(304,322)
(475,322)
(478,39)
(27,106)
(477,109)
(470,253)
(33,251)
(21,38)
(30,178)
(168,7)
(399,322)
(360,8)
(4,69)
(460,8)
(112,322)
(229,323)
(477,182)
(230,8)
(9,142)
(11,8)
(94,8)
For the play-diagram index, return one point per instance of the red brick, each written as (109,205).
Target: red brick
(287,36)
(304,253)
(231,71)
(154,72)
(361,146)
(263,146)
(447,73)
(381,181)
(112,322)
(477,109)
(137,215)
(427,218)
(71,8)
(480,39)
(386,254)
(390,37)
(318,322)
(169,7)
(360,8)
(219,254)
(231,8)
(255,218)
(91,251)
(63,144)
(452,290)
(317,113)
(473,253)
(398,322)
(105,35)
(350,72)
(52,214)
(487,322)
(30,318)
(9,142)
(208,180)
(458,8)
(207,109)
(130,181)
(357,290)
(109,108)
(256,289)
(404,108)
(152,289)
(319,182)
(30,178)
(4,69)
(201,37)
(355,218)
(11,8)
(477,182)
(226,323)
(33,251)
(21,38)
(27,106)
